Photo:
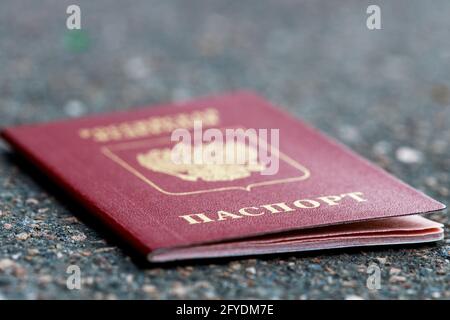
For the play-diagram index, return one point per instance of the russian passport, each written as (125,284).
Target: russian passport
(227,175)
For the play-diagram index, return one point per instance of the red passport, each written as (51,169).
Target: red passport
(295,190)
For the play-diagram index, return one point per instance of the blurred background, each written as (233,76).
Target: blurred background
(385,93)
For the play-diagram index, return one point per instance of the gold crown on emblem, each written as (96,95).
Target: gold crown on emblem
(218,162)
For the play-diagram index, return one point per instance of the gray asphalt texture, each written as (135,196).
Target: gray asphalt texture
(384,93)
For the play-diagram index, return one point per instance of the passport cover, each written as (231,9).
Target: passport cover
(323,195)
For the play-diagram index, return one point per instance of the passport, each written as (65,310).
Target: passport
(318,194)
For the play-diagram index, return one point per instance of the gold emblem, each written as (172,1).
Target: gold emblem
(142,158)
(216,161)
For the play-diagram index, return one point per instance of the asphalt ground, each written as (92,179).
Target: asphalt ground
(384,93)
